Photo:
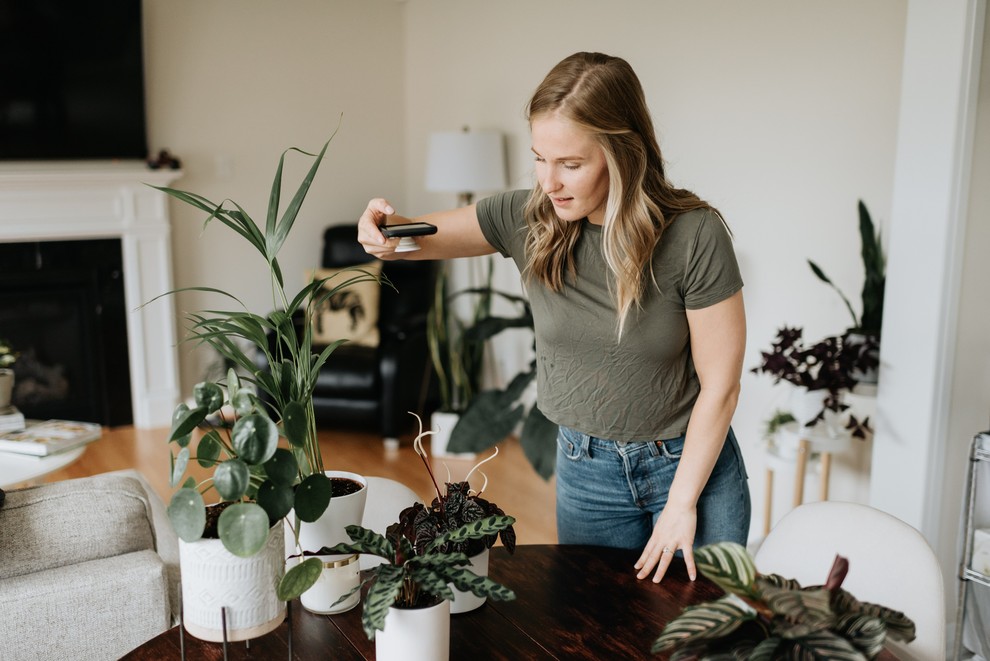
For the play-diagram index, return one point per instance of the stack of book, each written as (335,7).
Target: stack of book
(42,438)
(11,419)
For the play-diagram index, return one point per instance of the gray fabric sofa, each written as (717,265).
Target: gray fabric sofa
(88,569)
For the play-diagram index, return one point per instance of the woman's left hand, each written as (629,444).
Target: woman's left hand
(674,531)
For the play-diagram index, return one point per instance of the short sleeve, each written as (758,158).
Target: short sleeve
(501,219)
(712,272)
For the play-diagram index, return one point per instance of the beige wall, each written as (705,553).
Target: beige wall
(231,83)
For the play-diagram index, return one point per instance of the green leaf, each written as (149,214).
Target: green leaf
(179,464)
(820,645)
(299,579)
(313,497)
(275,240)
(296,423)
(864,632)
(243,529)
(466,580)
(231,479)
(704,622)
(282,468)
(381,595)
(729,566)
(208,396)
(208,450)
(489,419)
(255,438)
(275,499)
(899,626)
(184,421)
(538,439)
(474,530)
(187,512)
(244,402)
(177,416)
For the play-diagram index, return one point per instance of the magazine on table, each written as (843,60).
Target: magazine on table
(11,419)
(44,437)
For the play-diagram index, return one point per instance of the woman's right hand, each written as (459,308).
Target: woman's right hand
(374,243)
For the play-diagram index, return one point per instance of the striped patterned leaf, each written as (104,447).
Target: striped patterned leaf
(380,596)
(864,632)
(729,566)
(810,607)
(475,530)
(765,650)
(705,622)
(363,541)
(776,581)
(466,580)
(899,626)
(430,582)
(820,645)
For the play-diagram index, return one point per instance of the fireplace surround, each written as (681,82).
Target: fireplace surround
(60,201)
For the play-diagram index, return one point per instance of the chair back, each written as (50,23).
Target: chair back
(386,498)
(890,563)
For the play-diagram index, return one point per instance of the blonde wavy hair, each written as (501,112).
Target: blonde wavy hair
(602,95)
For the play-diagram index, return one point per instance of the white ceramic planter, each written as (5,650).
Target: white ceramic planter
(806,404)
(442,424)
(415,634)
(468,601)
(340,576)
(213,579)
(328,530)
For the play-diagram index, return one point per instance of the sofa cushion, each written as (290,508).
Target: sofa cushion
(93,610)
(64,523)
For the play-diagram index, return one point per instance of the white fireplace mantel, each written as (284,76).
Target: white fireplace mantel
(101,200)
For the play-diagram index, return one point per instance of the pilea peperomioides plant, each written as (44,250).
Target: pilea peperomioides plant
(768,617)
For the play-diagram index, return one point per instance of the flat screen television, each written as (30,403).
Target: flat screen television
(71,80)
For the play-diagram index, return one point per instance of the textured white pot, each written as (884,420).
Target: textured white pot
(442,424)
(213,579)
(329,530)
(468,601)
(415,634)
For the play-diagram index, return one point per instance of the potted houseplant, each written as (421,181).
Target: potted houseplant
(493,414)
(771,617)
(823,372)
(7,359)
(407,603)
(863,336)
(242,462)
(457,360)
(456,506)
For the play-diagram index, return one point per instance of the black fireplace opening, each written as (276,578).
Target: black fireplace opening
(62,308)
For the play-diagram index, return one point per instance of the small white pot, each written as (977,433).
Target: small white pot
(329,530)
(214,579)
(468,601)
(339,577)
(415,634)
(442,423)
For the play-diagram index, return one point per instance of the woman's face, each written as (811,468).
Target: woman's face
(570,167)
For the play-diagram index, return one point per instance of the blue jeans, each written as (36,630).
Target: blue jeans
(611,493)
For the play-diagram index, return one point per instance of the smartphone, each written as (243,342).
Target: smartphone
(408,229)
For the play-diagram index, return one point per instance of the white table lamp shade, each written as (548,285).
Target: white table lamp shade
(461,161)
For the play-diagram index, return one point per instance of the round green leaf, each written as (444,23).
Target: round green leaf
(231,479)
(179,464)
(208,449)
(255,438)
(295,423)
(187,512)
(312,497)
(233,384)
(180,412)
(243,529)
(243,402)
(282,468)
(299,579)
(275,499)
(208,396)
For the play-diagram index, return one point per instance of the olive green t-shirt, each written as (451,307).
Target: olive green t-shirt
(644,387)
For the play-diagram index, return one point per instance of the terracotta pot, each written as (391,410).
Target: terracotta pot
(214,579)
(415,634)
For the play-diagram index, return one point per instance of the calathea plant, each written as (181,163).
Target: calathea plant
(456,506)
(768,617)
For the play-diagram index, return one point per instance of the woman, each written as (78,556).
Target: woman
(639,319)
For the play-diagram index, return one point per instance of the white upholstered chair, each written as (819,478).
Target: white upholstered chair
(890,563)
(386,498)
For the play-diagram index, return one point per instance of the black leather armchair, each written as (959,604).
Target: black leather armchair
(375,387)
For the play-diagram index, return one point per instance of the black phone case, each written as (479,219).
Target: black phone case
(409,229)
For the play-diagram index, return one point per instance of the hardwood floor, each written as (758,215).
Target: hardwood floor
(512,484)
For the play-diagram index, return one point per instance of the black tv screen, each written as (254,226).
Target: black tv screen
(71,80)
